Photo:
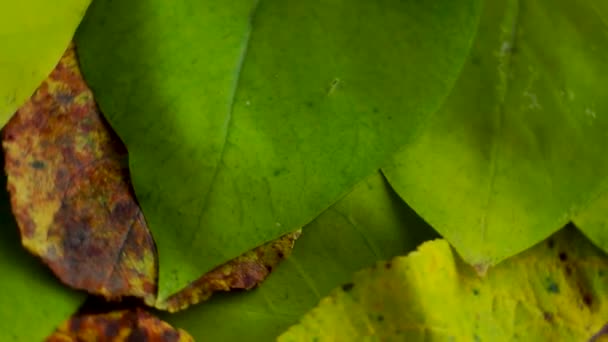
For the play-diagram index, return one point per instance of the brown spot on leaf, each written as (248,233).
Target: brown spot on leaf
(563,256)
(347,287)
(587,299)
(71,193)
(136,325)
(241,273)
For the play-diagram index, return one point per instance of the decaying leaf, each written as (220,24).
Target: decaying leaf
(241,273)
(118,326)
(70,190)
(556,291)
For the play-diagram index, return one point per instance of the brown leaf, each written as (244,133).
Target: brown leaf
(136,325)
(70,190)
(241,273)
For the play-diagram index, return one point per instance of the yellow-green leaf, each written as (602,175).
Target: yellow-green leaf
(519,147)
(555,291)
(34,35)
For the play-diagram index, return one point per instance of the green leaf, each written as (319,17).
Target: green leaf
(33,301)
(520,144)
(245,120)
(557,291)
(34,35)
(593,220)
(369,224)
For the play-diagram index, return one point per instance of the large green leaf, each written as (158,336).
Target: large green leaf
(520,144)
(369,224)
(34,34)
(246,119)
(557,291)
(33,302)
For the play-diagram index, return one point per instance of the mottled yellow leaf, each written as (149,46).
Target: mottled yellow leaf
(555,291)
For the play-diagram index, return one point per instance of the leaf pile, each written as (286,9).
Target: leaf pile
(254,124)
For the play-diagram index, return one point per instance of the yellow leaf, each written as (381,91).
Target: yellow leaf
(555,291)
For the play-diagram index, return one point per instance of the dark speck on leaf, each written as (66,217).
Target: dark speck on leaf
(587,299)
(548,317)
(380,318)
(475,292)
(388,265)
(37,164)
(552,286)
(347,287)
(563,256)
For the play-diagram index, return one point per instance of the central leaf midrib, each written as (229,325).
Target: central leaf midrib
(227,122)
(504,67)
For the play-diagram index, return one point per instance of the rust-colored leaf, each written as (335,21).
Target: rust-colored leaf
(241,273)
(136,325)
(70,190)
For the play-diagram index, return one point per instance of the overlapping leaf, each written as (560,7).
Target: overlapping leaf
(241,273)
(70,190)
(34,34)
(118,326)
(556,291)
(245,120)
(519,146)
(369,224)
(33,303)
